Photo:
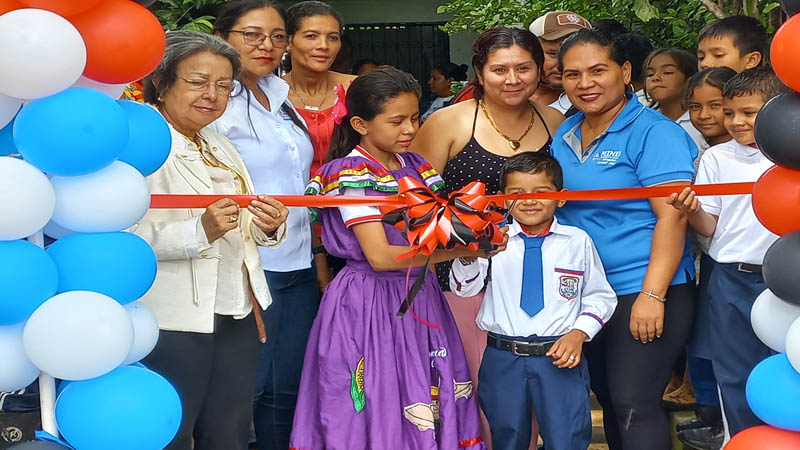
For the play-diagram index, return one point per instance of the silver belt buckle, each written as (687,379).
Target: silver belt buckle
(740,268)
(514,348)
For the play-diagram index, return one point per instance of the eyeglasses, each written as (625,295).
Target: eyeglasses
(222,87)
(255,38)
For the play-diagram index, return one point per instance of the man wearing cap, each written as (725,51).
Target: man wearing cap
(551,29)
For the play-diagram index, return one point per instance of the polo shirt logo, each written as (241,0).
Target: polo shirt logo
(607,157)
(568,286)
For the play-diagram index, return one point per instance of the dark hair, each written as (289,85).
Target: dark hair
(686,62)
(616,51)
(310,8)
(365,98)
(502,37)
(181,45)
(637,48)
(610,26)
(361,63)
(715,76)
(533,162)
(454,71)
(747,32)
(226,20)
(758,80)
(235,9)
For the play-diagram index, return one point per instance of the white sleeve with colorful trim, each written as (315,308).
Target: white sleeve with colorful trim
(355,215)
(598,300)
(468,280)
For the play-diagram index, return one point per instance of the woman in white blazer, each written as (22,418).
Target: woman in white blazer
(209,271)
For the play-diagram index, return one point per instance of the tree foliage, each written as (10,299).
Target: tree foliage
(197,15)
(666,22)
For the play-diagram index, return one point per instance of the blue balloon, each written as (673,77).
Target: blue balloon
(149,140)
(75,132)
(28,277)
(7,146)
(120,265)
(129,408)
(773,392)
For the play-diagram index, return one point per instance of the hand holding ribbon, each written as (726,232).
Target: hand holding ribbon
(468,218)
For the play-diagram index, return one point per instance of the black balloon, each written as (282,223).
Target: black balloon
(790,7)
(781,267)
(145,2)
(777,130)
(38,445)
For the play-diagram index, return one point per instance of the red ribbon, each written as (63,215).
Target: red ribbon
(322,201)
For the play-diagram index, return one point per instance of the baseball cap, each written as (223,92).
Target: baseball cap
(557,24)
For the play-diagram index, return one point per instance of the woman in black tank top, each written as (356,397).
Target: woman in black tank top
(500,122)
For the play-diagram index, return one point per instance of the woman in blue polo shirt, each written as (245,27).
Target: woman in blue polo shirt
(616,142)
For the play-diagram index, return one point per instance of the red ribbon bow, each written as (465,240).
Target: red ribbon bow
(468,218)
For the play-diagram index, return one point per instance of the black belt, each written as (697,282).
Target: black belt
(519,348)
(748,268)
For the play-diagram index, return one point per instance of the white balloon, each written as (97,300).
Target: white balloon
(78,335)
(9,107)
(112,90)
(793,344)
(111,199)
(27,196)
(771,318)
(42,53)
(17,371)
(145,332)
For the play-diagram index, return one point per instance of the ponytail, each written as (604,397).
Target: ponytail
(344,139)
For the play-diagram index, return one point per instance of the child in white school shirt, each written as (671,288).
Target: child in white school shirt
(738,240)
(546,294)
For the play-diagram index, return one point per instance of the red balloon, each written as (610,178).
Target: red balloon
(776,200)
(61,7)
(764,437)
(9,5)
(783,51)
(124,41)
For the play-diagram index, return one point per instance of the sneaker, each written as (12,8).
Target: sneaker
(706,438)
(691,424)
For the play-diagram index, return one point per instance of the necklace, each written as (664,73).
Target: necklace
(515,144)
(305,103)
(212,161)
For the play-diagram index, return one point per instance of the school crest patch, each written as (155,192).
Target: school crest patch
(568,286)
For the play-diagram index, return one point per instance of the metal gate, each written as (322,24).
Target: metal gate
(413,47)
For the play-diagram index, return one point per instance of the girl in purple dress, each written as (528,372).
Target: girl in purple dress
(372,380)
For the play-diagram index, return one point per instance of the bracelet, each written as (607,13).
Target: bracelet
(651,295)
(318,250)
(464,262)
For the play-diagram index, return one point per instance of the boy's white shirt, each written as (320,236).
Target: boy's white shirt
(739,236)
(576,292)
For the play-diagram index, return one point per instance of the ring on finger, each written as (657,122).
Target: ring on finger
(233,218)
(572,358)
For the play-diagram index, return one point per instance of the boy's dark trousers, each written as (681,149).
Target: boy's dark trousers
(509,386)
(737,349)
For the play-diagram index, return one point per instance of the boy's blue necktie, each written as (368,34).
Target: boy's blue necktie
(532,298)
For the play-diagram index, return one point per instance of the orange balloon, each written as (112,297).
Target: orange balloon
(124,41)
(783,52)
(9,5)
(764,437)
(776,200)
(61,7)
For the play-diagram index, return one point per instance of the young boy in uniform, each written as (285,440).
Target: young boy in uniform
(546,294)
(738,240)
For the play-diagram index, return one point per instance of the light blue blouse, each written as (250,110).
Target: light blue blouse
(278,156)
